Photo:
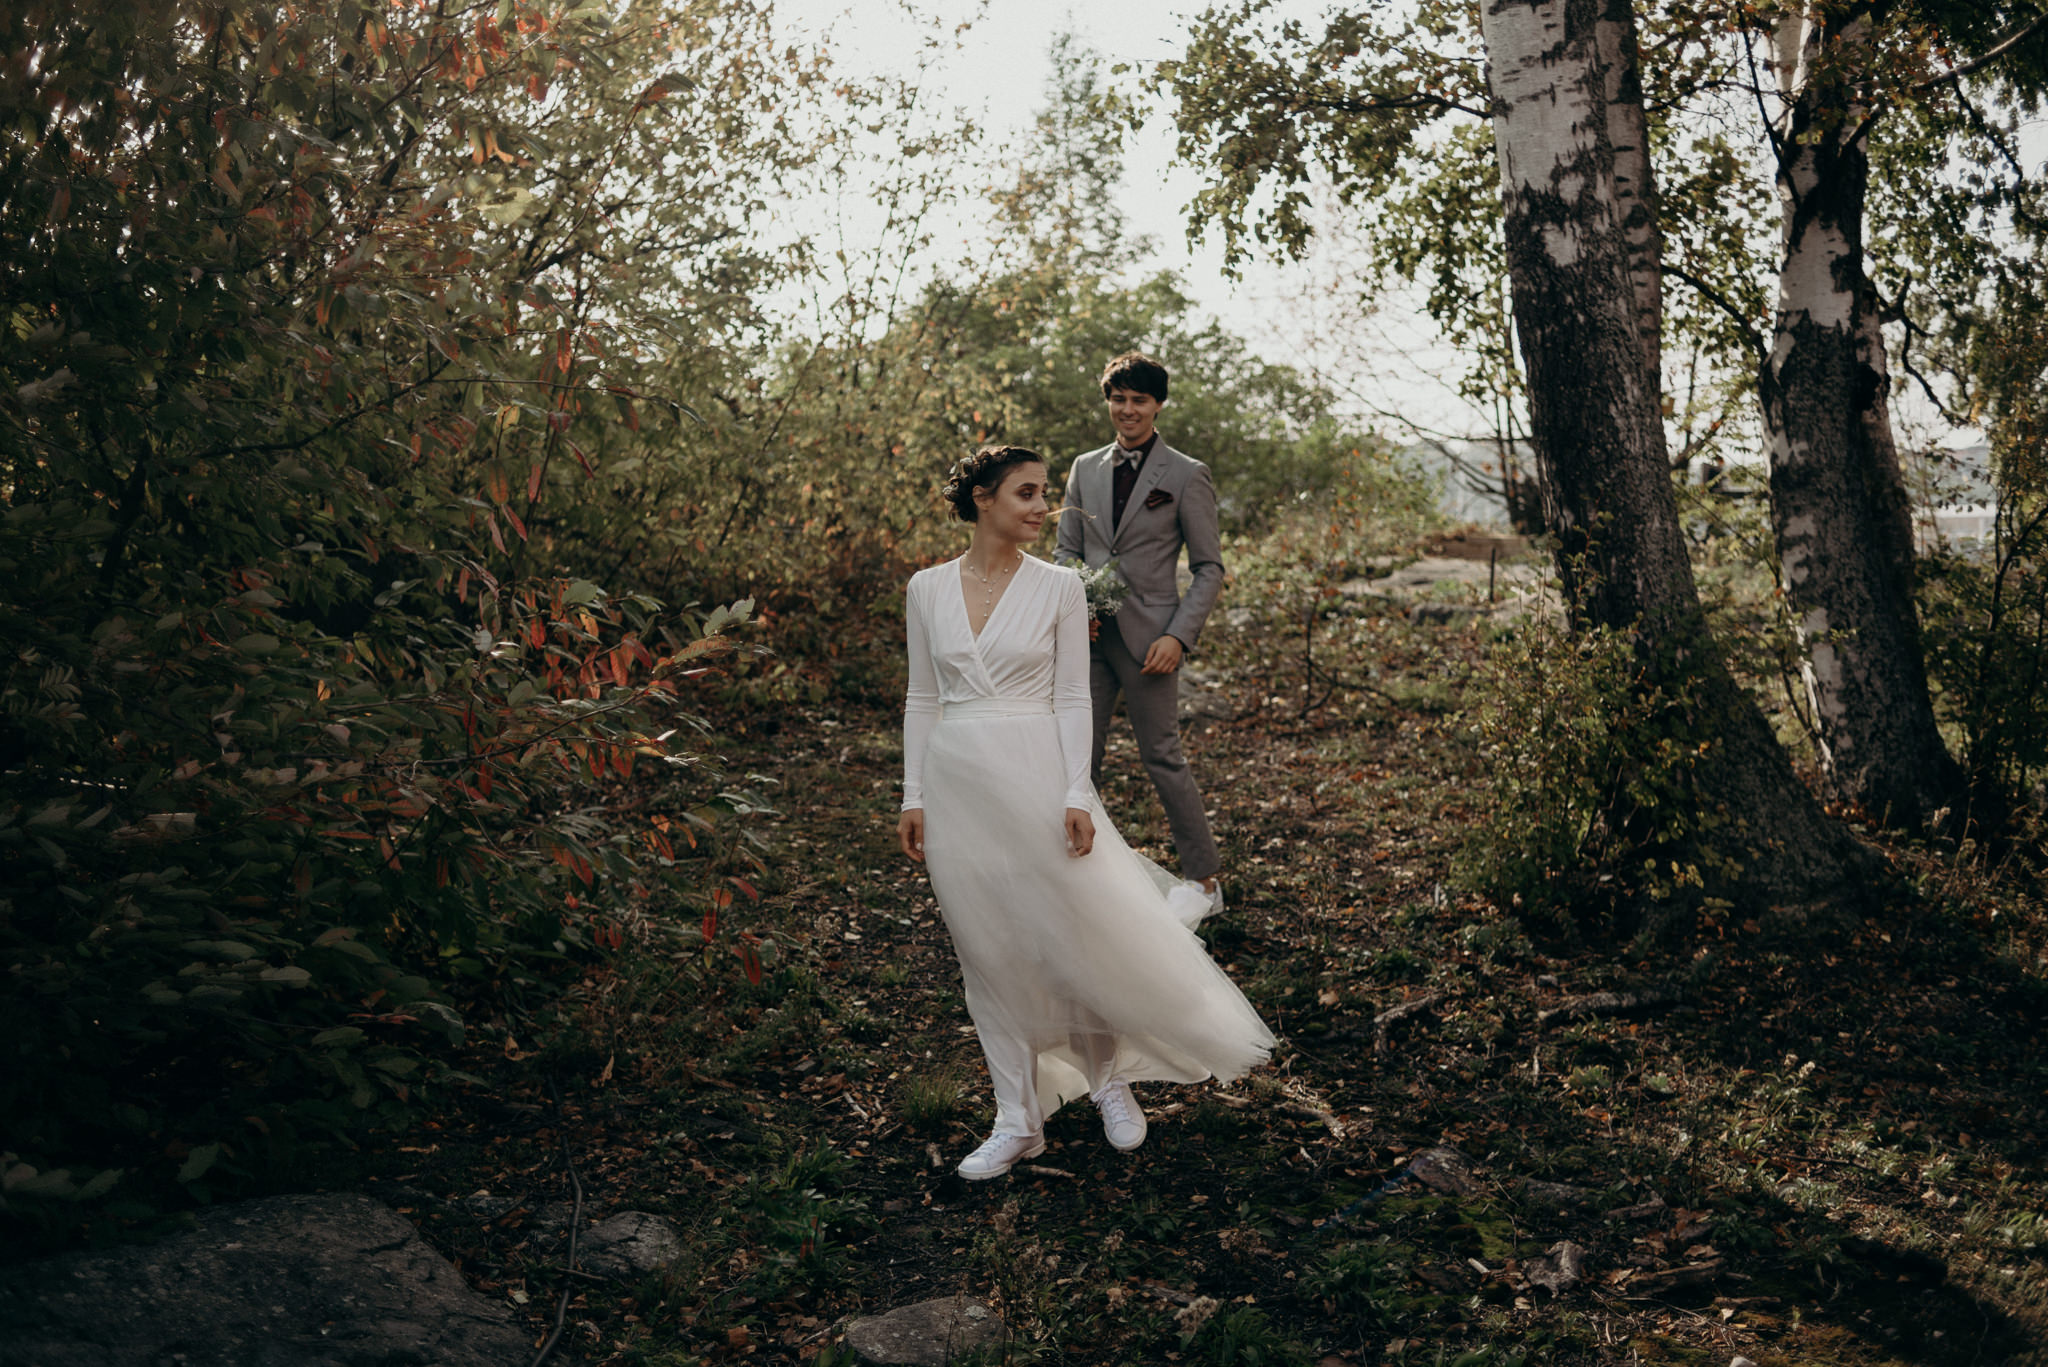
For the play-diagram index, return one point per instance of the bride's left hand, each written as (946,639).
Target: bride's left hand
(1080,832)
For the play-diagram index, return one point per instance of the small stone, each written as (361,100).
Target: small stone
(1740,1361)
(1444,1170)
(926,1334)
(1555,1195)
(1559,1269)
(629,1244)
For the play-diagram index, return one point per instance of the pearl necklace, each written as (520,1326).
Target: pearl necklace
(988,606)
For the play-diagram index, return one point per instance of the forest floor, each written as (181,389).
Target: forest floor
(1824,1149)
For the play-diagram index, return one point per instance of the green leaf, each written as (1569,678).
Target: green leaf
(101,1184)
(199,1162)
(340,1037)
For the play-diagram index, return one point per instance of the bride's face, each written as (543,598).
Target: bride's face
(1016,510)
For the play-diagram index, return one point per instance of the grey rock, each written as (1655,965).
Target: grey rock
(926,1334)
(1444,1170)
(287,1281)
(629,1244)
(1555,1195)
(1558,1270)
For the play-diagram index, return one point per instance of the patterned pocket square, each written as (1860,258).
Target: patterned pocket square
(1158,498)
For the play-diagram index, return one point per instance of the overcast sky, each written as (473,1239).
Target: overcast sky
(996,71)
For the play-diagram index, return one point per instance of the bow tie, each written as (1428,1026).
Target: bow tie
(1124,455)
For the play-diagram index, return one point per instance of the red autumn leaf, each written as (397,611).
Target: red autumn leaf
(751,962)
(710,926)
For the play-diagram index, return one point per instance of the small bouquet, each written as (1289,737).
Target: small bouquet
(1107,589)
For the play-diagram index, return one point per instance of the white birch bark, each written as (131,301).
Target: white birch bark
(1576,264)
(1839,504)
(1635,187)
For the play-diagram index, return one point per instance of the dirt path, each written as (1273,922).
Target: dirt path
(1799,1156)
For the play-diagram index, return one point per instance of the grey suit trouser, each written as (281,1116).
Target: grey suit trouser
(1153,701)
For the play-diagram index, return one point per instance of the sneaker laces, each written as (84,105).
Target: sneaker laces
(1115,1103)
(993,1143)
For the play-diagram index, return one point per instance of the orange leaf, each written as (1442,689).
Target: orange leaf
(710,926)
(751,962)
(536,632)
(533,485)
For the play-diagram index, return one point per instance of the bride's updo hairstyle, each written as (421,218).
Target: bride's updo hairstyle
(983,473)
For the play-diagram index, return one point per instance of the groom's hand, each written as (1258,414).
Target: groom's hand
(1163,657)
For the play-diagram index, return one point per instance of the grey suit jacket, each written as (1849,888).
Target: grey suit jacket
(1146,545)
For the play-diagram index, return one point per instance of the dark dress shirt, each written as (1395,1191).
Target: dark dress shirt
(1124,477)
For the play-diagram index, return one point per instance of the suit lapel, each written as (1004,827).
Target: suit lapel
(1148,480)
(1102,495)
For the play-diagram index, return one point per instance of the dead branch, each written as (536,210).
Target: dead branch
(1394,1015)
(1611,1004)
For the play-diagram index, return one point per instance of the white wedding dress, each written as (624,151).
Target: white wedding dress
(1078,970)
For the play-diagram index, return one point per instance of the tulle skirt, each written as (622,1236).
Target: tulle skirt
(1078,971)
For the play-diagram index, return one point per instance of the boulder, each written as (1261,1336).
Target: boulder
(286,1281)
(926,1334)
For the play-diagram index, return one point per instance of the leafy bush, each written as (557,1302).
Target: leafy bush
(316,718)
(1588,765)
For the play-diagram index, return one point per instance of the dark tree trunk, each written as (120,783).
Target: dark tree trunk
(1838,501)
(1575,271)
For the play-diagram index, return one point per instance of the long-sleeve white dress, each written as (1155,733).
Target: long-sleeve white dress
(1078,972)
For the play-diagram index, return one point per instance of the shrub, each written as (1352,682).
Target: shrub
(1588,767)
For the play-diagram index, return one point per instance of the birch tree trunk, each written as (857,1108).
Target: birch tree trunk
(1575,271)
(1635,187)
(1838,501)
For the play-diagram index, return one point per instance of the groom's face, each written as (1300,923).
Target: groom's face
(1133,413)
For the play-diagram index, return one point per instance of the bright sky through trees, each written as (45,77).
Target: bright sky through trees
(995,69)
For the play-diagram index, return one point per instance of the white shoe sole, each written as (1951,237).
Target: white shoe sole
(1003,1171)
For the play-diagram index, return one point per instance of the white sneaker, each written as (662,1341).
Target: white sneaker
(1123,1120)
(1213,896)
(999,1153)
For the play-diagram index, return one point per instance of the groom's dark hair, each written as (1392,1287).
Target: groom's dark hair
(1135,370)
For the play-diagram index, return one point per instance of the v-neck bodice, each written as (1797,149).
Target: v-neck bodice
(961,573)
(1032,652)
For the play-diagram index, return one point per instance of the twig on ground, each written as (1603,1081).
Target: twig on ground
(1394,1015)
(1611,1004)
(1040,1170)
(1307,1112)
(575,1227)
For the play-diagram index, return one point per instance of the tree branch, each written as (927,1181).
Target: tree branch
(1989,55)
(1750,331)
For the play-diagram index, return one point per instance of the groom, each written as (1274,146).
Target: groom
(1138,501)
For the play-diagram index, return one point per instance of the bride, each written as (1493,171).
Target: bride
(1081,977)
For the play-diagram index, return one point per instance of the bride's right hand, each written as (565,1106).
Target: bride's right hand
(910,834)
